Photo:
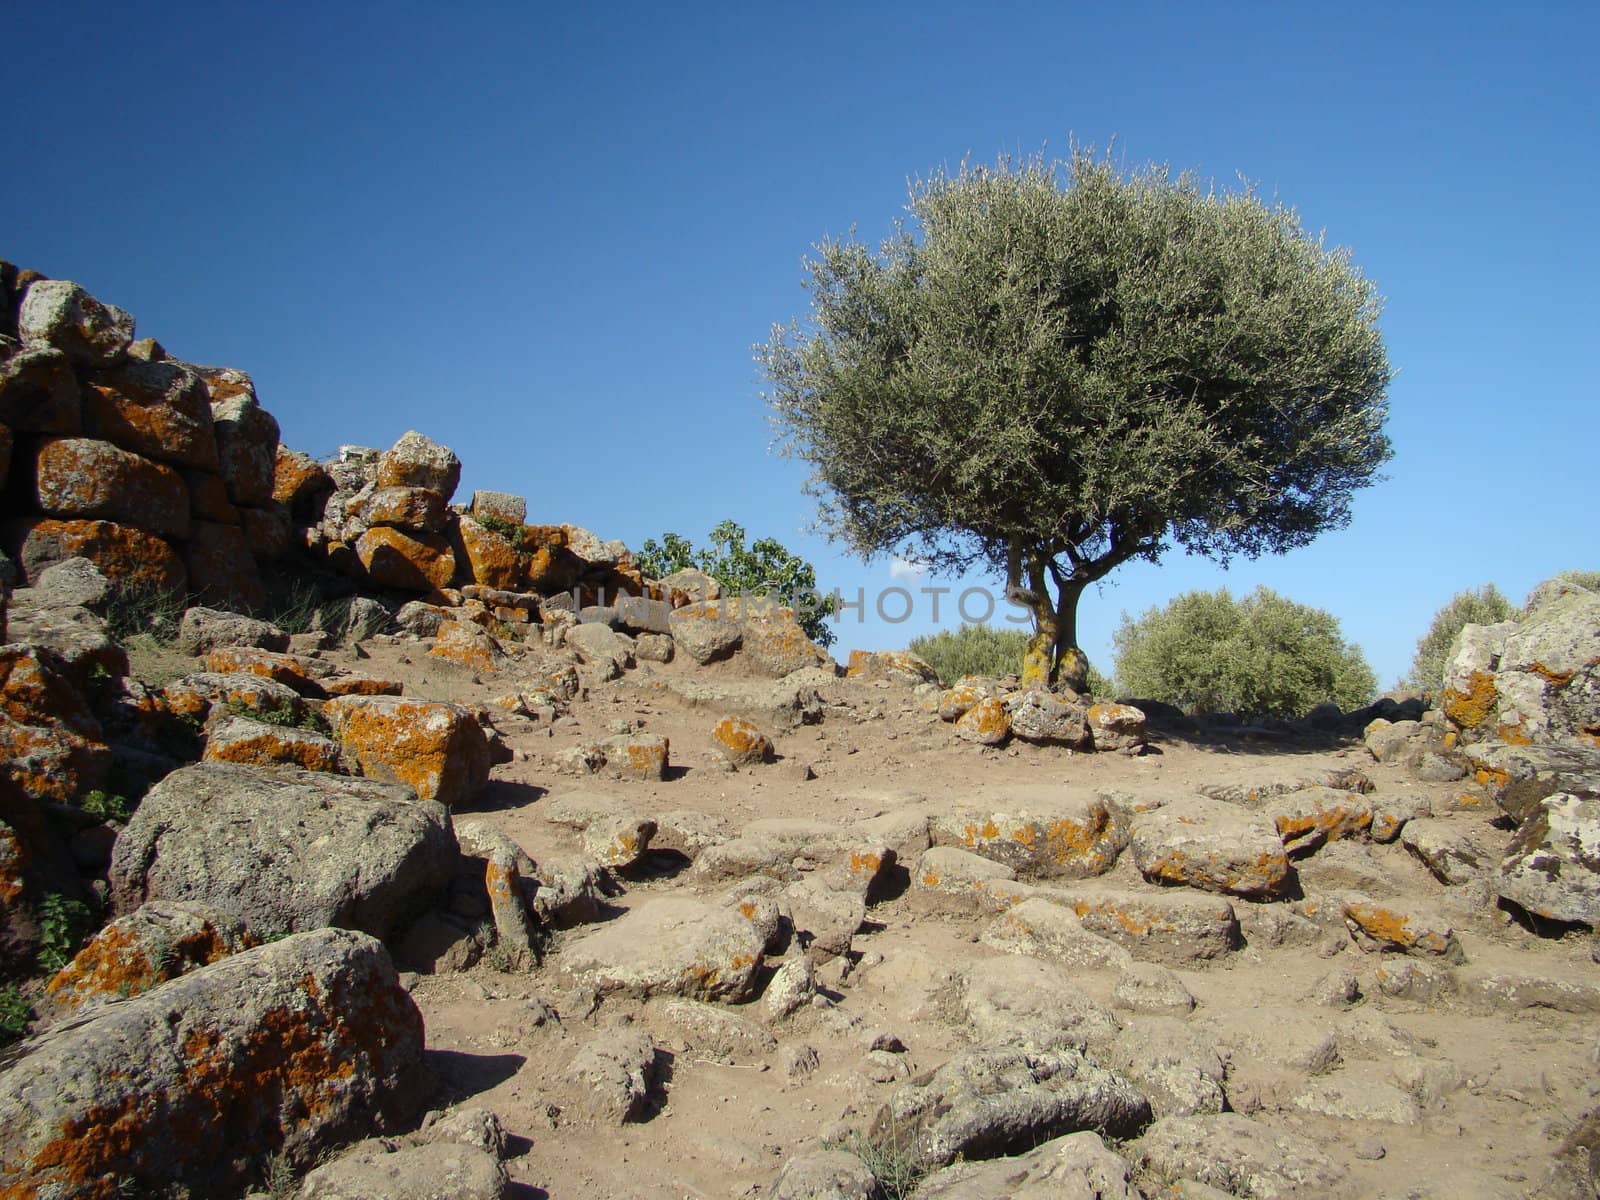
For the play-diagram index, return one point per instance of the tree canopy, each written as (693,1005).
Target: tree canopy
(1056,367)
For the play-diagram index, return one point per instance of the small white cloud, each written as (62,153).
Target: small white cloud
(904,568)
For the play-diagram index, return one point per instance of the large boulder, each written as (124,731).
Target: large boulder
(77,478)
(437,748)
(202,630)
(379,1170)
(39,392)
(1241,1157)
(419,461)
(1056,835)
(285,849)
(409,562)
(157,409)
(51,745)
(247,436)
(291,1048)
(130,557)
(222,569)
(1552,868)
(60,314)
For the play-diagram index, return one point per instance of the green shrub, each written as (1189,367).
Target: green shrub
(62,924)
(1207,652)
(14,1013)
(286,716)
(1484,606)
(108,806)
(972,650)
(1584,579)
(512,531)
(762,568)
(896,1166)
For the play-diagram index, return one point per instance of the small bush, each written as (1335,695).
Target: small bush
(107,806)
(895,1166)
(1584,579)
(972,650)
(62,924)
(14,1013)
(1207,652)
(1484,606)
(513,532)
(285,717)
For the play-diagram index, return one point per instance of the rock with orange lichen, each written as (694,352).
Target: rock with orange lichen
(468,644)
(1039,927)
(741,742)
(236,739)
(222,569)
(437,748)
(407,561)
(158,409)
(956,702)
(126,555)
(51,745)
(1117,727)
(403,507)
(1307,818)
(765,633)
(490,558)
(643,756)
(82,478)
(1207,844)
(195,696)
(893,666)
(60,314)
(362,685)
(987,722)
(246,660)
(1387,926)
(1072,837)
(1171,925)
(287,1049)
(617,841)
(704,631)
(154,943)
(34,863)
(300,483)
(285,849)
(246,433)
(947,876)
(669,946)
(510,879)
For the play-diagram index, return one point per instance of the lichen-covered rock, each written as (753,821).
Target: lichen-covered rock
(1062,836)
(670,946)
(75,636)
(1117,726)
(468,644)
(893,666)
(59,313)
(158,409)
(741,742)
(987,722)
(617,841)
(510,878)
(285,849)
(247,436)
(1176,1066)
(419,461)
(222,570)
(299,483)
(489,556)
(1307,818)
(1038,926)
(1552,868)
(269,664)
(436,748)
(154,943)
(197,695)
(39,392)
(378,1170)
(765,632)
(1390,927)
(409,562)
(994,1101)
(1171,925)
(202,629)
(405,507)
(77,478)
(1242,1157)
(954,703)
(704,632)
(499,506)
(1207,844)
(126,555)
(291,1048)
(1039,716)
(51,745)
(598,646)
(235,739)
(643,756)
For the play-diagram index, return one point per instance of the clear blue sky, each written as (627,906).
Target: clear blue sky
(548,235)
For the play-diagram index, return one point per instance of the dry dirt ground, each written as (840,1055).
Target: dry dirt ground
(1495,1088)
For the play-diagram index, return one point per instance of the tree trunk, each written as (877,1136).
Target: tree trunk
(1053,656)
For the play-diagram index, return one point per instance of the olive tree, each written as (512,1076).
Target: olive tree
(1053,368)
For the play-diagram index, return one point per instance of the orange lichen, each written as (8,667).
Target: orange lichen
(1513,734)
(1471,708)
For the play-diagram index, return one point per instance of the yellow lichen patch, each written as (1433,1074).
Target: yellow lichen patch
(1555,678)
(359,685)
(742,742)
(1393,928)
(1471,708)
(865,864)
(1450,739)
(955,703)
(467,644)
(1513,734)
(1133,925)
(930,880)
